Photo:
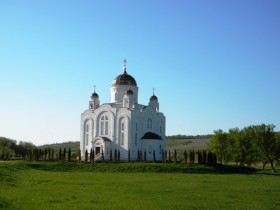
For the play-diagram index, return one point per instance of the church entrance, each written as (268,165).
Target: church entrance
(97,150)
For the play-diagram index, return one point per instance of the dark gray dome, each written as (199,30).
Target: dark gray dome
(125,79)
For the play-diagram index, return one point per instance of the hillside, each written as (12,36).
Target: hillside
(179,143)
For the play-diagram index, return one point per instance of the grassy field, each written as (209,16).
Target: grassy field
(38,185)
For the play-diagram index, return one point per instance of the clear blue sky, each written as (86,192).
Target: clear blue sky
(213,64)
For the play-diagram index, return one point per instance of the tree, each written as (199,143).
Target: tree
(86,156)
(90,155)
(115,155)
(102,155)
(154,156)
(169,156)
(69,154)
(128,155)
(64,154)
(268,143)
(111,156)
(185,156)
(145,156)
(119,155)
(175,156)
(219,145)
(80,156)
(60,154)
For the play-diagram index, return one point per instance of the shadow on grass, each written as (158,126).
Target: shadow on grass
(135,167)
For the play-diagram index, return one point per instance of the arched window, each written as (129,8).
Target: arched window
(87,134)
(123,131)
(150,123)
(136,139)
(104,128)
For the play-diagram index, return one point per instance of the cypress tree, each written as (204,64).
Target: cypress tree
(102,155)
(60,155)
(64,154)
(145,156)
(90,155)
(111,156)
(185,156)
(169,156)
(79,155)
(69,154)
(86,156)
(204,154)
(119,155)
(115,156)
(52,158)
(175,156)
(162,156)
(128,155)
(154,156)
(93,155)
(138,156)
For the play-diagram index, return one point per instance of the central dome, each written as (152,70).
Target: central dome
(124,79)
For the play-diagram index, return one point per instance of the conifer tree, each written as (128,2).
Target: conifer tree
(111,156)
(102,155)
(64,154)
(79,155)
(175,156)
(60,154)
(119,155)
(52,154)
(86,156)
(128,155)
(145,156)
(115,155)
(169,156)
(69,154)
(185,156)
(90,155)
(154,156)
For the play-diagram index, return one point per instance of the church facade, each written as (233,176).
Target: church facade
(123,126)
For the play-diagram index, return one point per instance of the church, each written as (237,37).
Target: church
(123,126)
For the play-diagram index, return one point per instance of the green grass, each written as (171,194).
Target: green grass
(39,185)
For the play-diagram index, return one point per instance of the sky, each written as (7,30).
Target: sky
(213,64)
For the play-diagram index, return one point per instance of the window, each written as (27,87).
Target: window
(136,138)
(104,128)
(107,151)
(86,133)
(149,123)
(122,139)
(123,131)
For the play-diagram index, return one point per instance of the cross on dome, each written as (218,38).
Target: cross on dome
(124,66)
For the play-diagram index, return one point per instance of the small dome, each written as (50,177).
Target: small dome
(129,92)
(124,79)
(153,98)
(94,95)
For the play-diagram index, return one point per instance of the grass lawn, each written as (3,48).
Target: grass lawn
(25,185)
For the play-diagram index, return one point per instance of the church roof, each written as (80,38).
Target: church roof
(151,135)
(124,79)
(105,138)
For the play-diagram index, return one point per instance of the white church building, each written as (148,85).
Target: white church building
(123,125)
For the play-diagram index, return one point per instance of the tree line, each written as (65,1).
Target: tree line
(252,144)
(10,148)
